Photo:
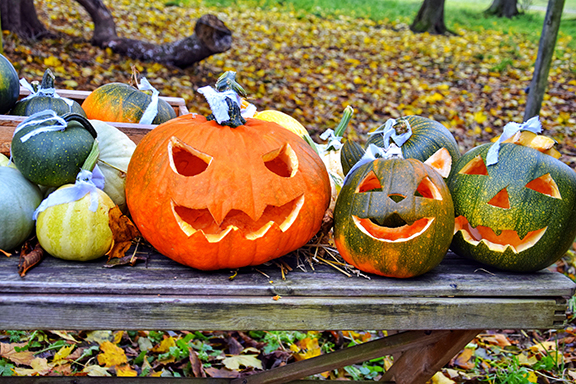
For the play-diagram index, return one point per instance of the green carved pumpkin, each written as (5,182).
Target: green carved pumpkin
(394,217)
(518,214)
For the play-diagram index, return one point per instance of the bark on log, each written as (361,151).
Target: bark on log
(210,36)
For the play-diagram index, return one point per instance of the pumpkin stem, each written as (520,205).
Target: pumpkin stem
(47,79)
(228,82)
(346,117)
(83,122)
(235,114)
(92,158)
(401,126)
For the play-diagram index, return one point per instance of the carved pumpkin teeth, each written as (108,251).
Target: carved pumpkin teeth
(191,221)
(390,234)
(507,239)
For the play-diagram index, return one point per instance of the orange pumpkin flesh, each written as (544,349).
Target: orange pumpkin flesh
(212,197)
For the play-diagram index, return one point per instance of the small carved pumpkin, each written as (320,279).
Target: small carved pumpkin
(213,196)
(394,217)
(518,214)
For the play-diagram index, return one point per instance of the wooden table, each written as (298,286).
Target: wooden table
(442,310)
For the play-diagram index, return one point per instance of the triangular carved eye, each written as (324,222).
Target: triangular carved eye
(282,161)
(476,166)
(546,185)
(428,189)
(186,160)
(501,199)
(370,184)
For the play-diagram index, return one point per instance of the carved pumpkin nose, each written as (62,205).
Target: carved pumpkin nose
(396,197)
(501,199)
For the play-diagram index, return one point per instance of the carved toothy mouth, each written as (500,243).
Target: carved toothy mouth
(507,238)
(393,234)
(200,220)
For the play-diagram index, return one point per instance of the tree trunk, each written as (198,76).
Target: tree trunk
(545,52)
(503,8)
(430,18)
(20,17)
(210,35)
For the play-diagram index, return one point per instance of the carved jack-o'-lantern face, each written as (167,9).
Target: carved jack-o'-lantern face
(518,214)
(394,218)
(212,196)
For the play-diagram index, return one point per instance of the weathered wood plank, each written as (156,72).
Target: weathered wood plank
(211,313)
(373,349)
(417,366)
(453,277)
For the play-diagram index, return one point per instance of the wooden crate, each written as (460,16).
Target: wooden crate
(135,131)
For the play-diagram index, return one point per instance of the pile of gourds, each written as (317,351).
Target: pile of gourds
(242,187)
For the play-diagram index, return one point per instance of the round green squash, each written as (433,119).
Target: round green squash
(116,150)
(18,200)
(350,154)
(46,99)
(120,102)
(53,158)
(518,214)
(71,231)
(428,136)
(9,85)
(394,217)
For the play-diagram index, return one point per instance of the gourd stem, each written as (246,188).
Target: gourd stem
(228,82)
(92,158)
(47,79)
(346,117)
(311,142)
(83,121)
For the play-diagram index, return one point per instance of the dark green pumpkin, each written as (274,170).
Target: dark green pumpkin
(428,136)
(120,102)
(53,158)
(525,193)
(46,99)
(394,217)
(9,85)
(350,154)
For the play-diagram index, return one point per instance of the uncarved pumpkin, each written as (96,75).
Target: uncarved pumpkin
(9,85)
(120,102)
(211,196)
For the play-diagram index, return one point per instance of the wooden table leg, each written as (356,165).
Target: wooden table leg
(418,365)
(373,349)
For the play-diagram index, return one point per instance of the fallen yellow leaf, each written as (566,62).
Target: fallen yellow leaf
(112,355)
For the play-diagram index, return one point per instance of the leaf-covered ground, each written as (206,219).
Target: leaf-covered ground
(311,67)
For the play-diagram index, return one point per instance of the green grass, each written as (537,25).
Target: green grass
(460,15)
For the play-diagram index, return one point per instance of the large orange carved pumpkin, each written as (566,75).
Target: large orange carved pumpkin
(211,196)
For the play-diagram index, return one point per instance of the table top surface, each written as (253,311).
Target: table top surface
(454,277)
